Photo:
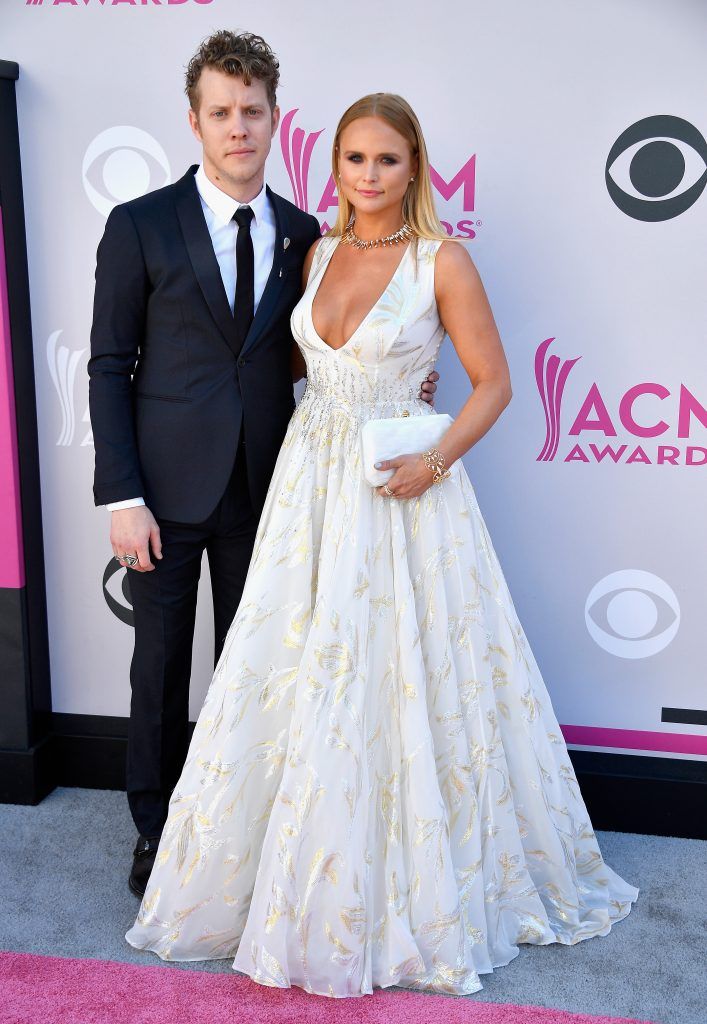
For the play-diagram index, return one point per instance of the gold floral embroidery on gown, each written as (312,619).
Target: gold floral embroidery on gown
(377,791)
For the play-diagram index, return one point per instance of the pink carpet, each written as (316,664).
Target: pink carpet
(51,990)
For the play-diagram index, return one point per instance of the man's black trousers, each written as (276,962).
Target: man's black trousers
(164,606)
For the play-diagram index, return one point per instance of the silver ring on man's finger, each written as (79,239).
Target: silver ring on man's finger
(128,559)
(391,494)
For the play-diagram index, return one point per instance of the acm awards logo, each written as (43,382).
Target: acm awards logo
(297,148)
(637,415)
(657,168)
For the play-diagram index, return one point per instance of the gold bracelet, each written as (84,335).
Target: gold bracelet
(434,460)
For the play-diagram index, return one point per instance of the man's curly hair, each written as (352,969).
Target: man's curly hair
(246,56)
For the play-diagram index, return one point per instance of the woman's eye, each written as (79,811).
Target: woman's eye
(355,158)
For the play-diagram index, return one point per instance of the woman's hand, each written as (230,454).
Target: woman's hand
(411,477)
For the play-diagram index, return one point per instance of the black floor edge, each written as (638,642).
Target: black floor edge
(623,792)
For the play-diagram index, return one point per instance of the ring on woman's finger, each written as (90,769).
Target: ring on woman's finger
(391,494)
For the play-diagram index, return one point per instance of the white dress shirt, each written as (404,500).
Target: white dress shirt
(218,210)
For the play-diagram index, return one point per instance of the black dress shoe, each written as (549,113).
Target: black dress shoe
(143,860)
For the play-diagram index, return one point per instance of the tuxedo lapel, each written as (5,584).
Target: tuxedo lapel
(275,282)
(202,255)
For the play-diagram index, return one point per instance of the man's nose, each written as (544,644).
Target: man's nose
(238,128)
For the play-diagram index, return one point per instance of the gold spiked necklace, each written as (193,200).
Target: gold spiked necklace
(401,235)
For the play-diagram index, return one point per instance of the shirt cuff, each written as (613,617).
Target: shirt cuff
(113,506)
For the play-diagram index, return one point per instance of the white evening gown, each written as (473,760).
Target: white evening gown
(377,791)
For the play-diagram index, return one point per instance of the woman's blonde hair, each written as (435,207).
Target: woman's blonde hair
(418,204)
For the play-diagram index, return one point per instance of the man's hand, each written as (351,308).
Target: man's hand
(133,531)
(428,387)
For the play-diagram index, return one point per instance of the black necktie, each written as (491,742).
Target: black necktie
(244,305)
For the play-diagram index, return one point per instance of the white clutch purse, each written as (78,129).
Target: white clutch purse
(399,435)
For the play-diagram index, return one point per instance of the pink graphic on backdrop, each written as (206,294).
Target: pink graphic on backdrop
(551,385)
(297,149)
(635,739)
(12,573)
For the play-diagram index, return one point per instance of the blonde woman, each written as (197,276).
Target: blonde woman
(377,791)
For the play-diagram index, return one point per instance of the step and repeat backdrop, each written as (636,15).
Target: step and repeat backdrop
(568,152)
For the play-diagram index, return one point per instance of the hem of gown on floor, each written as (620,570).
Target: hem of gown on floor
(409,984)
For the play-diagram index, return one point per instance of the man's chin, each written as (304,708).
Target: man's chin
(239,172)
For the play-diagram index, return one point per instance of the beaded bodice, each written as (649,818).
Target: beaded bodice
(391,351)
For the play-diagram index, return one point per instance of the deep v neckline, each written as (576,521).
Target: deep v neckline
(370,311)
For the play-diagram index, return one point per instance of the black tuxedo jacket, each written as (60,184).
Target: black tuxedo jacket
(169,391)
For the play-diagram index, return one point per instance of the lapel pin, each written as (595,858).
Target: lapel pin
(285,243)
(280,272)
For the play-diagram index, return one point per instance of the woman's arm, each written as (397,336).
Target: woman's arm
(466,314)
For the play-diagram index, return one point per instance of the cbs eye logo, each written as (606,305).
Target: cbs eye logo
(117,592)
(122,163)
(657,168)
(632,613)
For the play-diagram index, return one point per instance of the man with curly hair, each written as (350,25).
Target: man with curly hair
(191,374)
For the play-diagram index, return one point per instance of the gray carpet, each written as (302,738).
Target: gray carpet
(63,891)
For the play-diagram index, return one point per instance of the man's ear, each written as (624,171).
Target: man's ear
(275,120)
(194,124)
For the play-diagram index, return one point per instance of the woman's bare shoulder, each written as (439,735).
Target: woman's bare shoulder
(453,255)
(454,266)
